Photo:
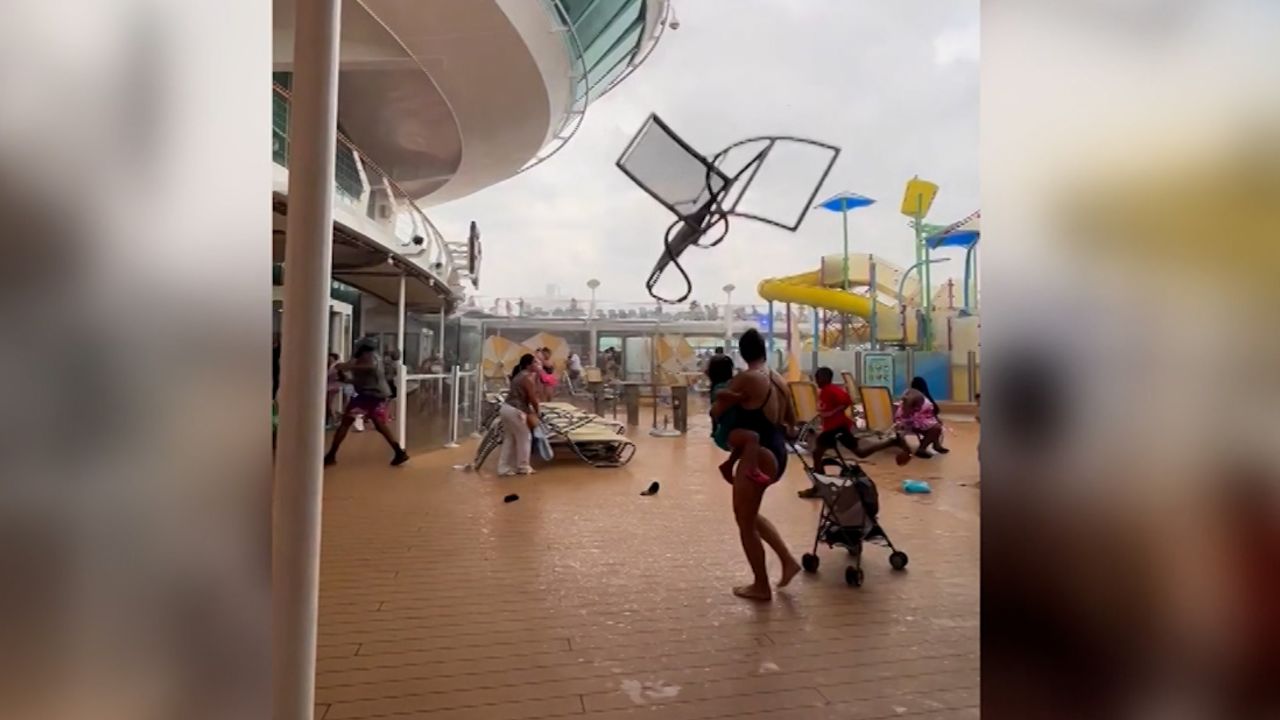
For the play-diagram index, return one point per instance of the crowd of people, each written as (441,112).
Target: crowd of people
(753,419)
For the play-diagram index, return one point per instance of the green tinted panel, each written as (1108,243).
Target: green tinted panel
(615,15)
(346,173)
(279,129)
(576,8)
(600,83)
(611,62)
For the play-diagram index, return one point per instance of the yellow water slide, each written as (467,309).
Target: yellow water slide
(823,289)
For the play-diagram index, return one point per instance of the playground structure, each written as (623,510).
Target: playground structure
(885,302)
(874,295)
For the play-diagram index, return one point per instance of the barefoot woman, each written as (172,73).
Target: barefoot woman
(764,406)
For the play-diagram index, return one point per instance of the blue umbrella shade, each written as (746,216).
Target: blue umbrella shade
(845,202)
(960,238)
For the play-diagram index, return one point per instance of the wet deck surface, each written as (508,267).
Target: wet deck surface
(585,600)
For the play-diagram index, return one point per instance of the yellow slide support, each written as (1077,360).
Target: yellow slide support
(808,289)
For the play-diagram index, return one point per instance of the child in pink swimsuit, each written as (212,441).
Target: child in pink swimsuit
(918,413)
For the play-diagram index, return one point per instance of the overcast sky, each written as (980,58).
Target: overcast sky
(893,84)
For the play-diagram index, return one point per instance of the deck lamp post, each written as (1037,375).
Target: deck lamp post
(842,203)
(728,316)
(592,284)
(916,202)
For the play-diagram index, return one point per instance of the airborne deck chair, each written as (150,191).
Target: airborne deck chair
(703,193)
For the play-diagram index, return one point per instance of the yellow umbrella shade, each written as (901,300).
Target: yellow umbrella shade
(675,357)
(556,344)
(675,354)
(499,356)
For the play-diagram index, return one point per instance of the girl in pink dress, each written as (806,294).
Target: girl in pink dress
(918,413)
(546,373)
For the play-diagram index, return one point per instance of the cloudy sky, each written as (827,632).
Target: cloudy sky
(893,84)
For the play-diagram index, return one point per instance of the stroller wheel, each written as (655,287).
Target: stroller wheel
(809,562)
(853,576)
(898,560)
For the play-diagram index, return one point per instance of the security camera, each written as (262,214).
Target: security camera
(674,24)
(418,240)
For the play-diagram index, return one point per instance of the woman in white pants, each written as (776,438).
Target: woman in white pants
(522,401)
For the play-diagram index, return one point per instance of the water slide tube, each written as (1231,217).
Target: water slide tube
(808,289)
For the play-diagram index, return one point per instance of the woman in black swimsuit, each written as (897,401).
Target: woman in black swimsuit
(765,407)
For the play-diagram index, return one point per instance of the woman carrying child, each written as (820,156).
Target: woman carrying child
(757,411)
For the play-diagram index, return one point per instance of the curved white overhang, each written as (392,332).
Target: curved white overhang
(445,96)
(569,119)
(452,96)
(387,103)
(502,64)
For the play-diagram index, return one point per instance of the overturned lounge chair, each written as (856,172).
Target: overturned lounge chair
(591,438)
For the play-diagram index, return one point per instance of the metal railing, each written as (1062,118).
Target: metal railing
(363,187)
(465,401)
(581,88)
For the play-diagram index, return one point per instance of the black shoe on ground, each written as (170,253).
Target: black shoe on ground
(941,450)
(923,454)
(401,458)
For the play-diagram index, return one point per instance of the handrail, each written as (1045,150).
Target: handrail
(406,221)
(577,101)
(643,49)
(572,121)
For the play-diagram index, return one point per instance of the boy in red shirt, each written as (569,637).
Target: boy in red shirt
(833,405)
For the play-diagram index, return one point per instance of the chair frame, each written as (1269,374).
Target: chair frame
(690,228)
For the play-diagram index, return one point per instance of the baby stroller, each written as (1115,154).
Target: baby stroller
(850,503)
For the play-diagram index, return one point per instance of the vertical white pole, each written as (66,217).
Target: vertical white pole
(335,331)
(440,342)
(817,335)
(875,303)
(591,322)
(402,403)
(477,410)
(297,489)
(728,321)
(453,409)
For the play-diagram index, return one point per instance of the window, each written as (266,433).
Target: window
(577,8)
(612,38)
(606,21)
(610,64)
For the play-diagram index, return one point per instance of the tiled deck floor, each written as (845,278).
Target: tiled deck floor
(585,600)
